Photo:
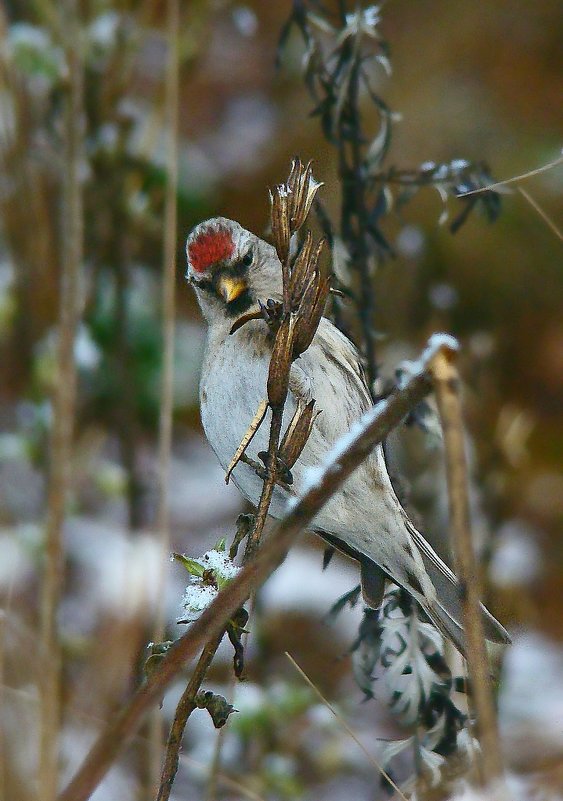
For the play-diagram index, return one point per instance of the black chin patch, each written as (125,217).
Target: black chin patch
(239,305)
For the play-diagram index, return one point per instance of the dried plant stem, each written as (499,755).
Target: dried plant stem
(377,424)
(447,386)
(273,444)
(63,413)
(347,728)
(516,178)
(184,709)
(167,385)
(268,487)
(545,217)
(354,206)
(3,758)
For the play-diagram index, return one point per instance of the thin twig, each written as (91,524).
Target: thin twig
(184,709)
(545,168)
(343,723)
(167,385)
(63,411)
(545,217)
(186,705)
(354,205)
(3,757)
(376,425)
(268,487)
(255,535)
(447,388)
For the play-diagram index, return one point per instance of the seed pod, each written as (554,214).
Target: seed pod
(297,434)
(309,314)
(304,270)
(280,199)
(303,188)
(300,270)
(280,363)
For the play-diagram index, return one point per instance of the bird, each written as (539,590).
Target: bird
(233,271)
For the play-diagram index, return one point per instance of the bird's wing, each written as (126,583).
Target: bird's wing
(330,371)
(449,591)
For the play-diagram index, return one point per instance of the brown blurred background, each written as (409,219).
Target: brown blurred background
(480,81)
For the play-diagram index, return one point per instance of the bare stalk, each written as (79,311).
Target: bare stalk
(447,388)
(167,385)
(63,411)
(3,759)
(376,425)
(185,707)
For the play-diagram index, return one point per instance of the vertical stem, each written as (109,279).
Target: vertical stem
(167,385)
(366,305)
(3,758)
(63,412)
(273,445)
(126,411)
(185,707)
(447,387)
(268,487)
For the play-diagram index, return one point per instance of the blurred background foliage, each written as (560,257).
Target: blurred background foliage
(474,81)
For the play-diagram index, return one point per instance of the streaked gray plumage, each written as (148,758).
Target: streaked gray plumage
(364,519)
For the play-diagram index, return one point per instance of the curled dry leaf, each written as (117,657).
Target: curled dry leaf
(218,707)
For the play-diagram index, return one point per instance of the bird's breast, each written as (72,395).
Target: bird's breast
(233,385)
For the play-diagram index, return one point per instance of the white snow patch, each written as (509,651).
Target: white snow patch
(531,699)
(299,585)
(197,598)
(246,21)
(459,164)
(517,558)
(220,563)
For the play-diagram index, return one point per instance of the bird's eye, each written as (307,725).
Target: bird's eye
(204,284)
(247,260)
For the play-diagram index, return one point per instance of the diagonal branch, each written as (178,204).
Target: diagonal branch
(374,426)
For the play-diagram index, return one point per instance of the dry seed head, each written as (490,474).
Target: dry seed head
(282,352)
(303,188)
(279,199)
(309,314)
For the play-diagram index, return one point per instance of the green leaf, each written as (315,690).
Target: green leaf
(193,567)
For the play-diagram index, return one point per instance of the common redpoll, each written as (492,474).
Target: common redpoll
(231,270)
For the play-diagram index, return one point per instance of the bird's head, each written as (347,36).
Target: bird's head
(230,269)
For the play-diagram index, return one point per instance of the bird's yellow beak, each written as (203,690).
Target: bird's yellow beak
(230,288)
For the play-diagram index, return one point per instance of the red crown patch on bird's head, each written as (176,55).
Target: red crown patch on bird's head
(211,246)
